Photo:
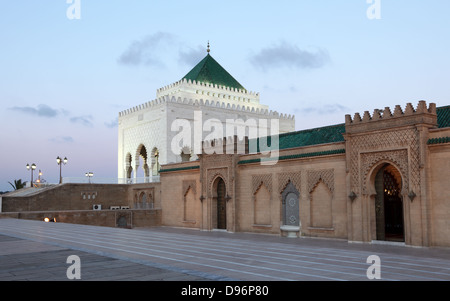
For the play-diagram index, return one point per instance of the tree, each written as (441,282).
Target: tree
(18,184)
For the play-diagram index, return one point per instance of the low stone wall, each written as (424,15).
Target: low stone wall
(108,218)
(67,197)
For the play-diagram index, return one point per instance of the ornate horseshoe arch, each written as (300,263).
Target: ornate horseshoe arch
(371,161)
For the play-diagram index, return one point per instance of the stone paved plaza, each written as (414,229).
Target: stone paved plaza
(37,251)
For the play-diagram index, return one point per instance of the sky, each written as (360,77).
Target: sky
(68,67)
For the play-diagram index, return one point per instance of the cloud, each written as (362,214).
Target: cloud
(114,123)
(322,109)
(191,56)
(41,110)
(84,120)
(62,139)
(145,51)
(291,56)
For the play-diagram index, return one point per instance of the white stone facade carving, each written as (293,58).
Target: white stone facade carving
(150,124)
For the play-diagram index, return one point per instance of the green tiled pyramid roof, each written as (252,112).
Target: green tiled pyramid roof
(210,71)
(443,116)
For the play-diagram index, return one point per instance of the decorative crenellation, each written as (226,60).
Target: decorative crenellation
(202,85)
(372,140)
(213,104)
(387,113)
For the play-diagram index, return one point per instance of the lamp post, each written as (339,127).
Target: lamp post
(32,167)
(60,162)
(89,175)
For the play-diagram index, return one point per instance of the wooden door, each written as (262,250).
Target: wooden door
(221,205)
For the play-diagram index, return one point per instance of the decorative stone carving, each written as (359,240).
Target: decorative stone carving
(259,180)
(213,161)
(291,210)
(326,175)
(189,184)
(213,173)
(285,178)
(290,200)
(369,160)
(399,146)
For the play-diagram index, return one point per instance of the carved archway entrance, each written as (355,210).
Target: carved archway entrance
(221,204)
(389,204)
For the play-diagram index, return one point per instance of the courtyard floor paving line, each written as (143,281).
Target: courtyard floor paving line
(51,266)
(167,262)
(195,244)
(266,268)
(274,261)
(347,253)
(335,267)
(194,261)
(232,255)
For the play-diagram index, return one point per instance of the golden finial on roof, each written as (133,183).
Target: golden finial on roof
(208,50)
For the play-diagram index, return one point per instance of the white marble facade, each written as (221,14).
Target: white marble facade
(147,132)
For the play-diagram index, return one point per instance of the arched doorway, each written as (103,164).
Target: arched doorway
(141,155)
(221,204)
(389,204)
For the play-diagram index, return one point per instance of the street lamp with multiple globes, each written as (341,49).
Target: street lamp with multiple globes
(89,175)
(32,167)
(60,162)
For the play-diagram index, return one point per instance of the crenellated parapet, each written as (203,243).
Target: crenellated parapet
(244,108)
(388,118)
(201,90)
(201,85)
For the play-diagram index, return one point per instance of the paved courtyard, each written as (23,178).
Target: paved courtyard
(34,250)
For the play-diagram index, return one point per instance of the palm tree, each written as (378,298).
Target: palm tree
(18,184)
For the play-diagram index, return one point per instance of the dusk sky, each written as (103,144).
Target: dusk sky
(63,81)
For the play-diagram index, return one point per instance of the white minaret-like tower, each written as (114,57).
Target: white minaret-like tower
(208,94)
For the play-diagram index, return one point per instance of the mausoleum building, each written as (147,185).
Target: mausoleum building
(375,177)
